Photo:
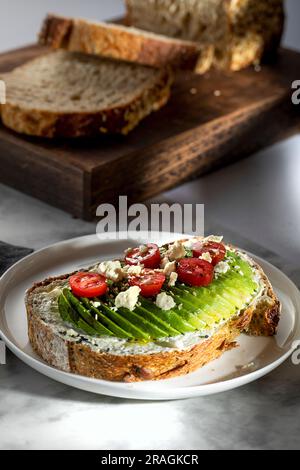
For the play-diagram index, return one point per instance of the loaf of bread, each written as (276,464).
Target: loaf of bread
(64,94)
(232,34)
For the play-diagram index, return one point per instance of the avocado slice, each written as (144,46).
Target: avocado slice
(70,315)
(107,322)
(126,325)
(143,324)
(155,320)
(86,315)
(171,317)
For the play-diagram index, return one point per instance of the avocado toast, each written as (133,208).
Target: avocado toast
(157,313)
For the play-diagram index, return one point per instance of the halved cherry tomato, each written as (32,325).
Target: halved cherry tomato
(88,285)
(149,281)
(195,272)
(150,257)
(217,251)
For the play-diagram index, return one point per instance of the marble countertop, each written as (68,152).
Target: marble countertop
(255,203)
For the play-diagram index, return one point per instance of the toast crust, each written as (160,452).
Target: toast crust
(259,320)
(117,42)
(116,120)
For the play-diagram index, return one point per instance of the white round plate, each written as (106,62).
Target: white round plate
(253,359)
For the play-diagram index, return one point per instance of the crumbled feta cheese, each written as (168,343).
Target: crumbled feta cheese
(206,257)
(222,268)
(112,270)
(190,243)
(176,251)
(134,270)
(128,299)
(143,249)
(165,302)
(173,279)
(96,304)
(169,268)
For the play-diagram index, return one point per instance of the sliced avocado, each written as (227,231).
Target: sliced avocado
(143,324)
(86,315)
(113,327)
(190,317)
(71,316)
(66,311)
(197,308)
(170,317)
(155,320)
(126,325)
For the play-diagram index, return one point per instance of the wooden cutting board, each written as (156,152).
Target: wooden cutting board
(211,121)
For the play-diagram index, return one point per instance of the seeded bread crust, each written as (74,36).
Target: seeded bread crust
(259,320)
(117,42)
(64,112)
(232,34)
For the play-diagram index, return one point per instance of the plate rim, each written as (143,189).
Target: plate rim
(139,391)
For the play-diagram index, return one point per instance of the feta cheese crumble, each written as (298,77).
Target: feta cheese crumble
(222,268)
(134,270)
(112,270)
(128,299)
(206,257)
(176,251)
(169,268)
(173,279)
(165,302)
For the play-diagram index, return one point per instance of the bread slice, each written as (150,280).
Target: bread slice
(117,42)
(118,360)
(231,34)
(64,94)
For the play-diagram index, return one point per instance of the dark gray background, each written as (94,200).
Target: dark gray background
(20,20)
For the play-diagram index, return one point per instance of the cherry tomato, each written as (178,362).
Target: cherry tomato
(150,282)
(149,257)
(195,272)
(88,285)
(217,251)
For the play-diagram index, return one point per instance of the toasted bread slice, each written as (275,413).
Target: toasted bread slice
(117,42)
(117,359)
(231,34)
(64,94)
